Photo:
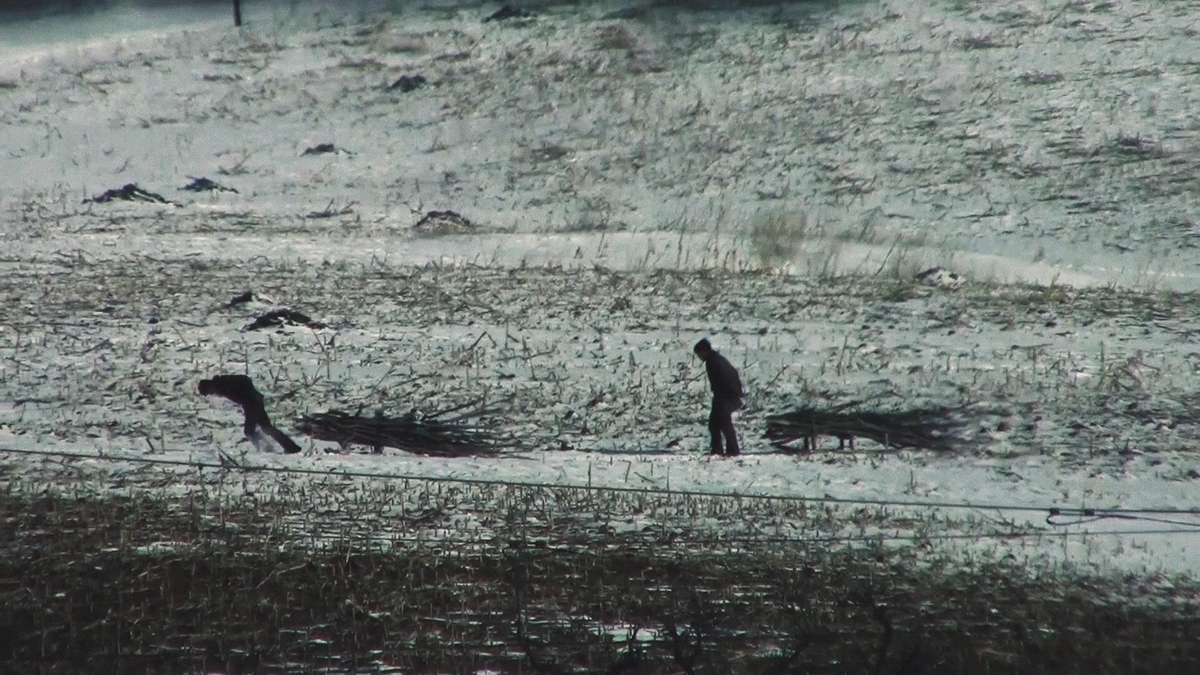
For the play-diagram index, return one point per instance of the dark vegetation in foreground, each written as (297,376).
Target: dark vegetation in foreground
(150,584)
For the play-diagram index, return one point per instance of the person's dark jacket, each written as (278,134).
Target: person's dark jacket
(726,385)
(240,389)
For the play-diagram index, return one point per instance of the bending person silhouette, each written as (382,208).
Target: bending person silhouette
(240,389)
(727,398)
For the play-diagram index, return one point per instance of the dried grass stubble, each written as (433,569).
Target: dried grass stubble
(230,588)
(502,303)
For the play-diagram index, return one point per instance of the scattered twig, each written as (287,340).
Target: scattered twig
(280,317)
(329,211)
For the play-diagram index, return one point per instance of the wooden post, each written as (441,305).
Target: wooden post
(237,12)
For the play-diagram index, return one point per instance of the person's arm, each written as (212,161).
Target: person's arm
(724,378)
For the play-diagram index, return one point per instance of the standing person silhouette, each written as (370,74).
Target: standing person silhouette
(727,398)
(240,389)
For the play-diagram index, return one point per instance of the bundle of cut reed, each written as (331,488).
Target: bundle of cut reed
(411,432)
(933,428)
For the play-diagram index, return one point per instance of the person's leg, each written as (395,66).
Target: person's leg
(250,426)
(731,442)
(289,446)
(714,428)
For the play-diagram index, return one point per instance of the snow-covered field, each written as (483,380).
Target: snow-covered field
(771,178)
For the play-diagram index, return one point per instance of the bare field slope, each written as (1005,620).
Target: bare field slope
(624,181)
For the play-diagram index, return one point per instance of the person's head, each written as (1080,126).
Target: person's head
(702,349)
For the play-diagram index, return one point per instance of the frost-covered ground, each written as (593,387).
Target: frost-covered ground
(772,178)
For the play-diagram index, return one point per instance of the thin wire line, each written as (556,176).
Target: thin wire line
(536,542)
(941,537)
(495,482)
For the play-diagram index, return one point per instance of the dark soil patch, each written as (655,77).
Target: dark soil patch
(508,12)
(130,192)
(444,222)
(320,149)
(206,185)
(407,83)
(241,298)
(281,317)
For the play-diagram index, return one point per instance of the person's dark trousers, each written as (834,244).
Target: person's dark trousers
(720,423)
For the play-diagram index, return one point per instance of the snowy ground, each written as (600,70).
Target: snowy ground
(773,179)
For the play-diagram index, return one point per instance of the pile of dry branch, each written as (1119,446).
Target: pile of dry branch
(410,432)
(933,428)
